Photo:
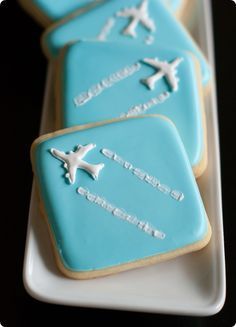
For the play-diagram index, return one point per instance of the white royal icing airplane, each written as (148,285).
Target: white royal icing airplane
(137,15)
(73,161)
(165,69)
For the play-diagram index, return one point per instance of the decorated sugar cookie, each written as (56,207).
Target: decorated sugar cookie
(131,21)
(143,207)
(48,11)
(97,81)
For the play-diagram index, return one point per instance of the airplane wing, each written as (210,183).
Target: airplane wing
(176,62)
(144,6)
(149,24)
(59,154)
(83,150)
(158,75)
(150,81)
(173,81)
(151,62)
(72,173)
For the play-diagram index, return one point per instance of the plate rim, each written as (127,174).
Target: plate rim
(218,301)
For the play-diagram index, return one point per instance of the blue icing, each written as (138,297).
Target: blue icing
(174,5)
(81,69)
(57,9)
(89,25)
(87,236)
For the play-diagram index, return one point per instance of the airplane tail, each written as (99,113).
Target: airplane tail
(146,82)
(129,32)
(96,170)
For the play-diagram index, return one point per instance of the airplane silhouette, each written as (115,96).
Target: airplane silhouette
(73,161)
(137,15)
(165,69)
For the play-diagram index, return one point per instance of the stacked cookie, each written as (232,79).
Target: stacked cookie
(116,180)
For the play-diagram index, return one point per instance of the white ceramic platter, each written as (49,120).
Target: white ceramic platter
(190,285)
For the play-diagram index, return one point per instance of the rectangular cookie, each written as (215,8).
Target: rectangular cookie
(97,81)
(133,21)
(118,196)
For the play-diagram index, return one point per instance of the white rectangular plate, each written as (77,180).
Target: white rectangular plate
(191,285)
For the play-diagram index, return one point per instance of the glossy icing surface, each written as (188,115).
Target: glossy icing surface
(87,63)
(89,237)
(57,9)
(168,31)
(174,5)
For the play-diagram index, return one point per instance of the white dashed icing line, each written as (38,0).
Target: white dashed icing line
(106,30)
(106,83)
(121,213)
(143,176)
(142,108)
